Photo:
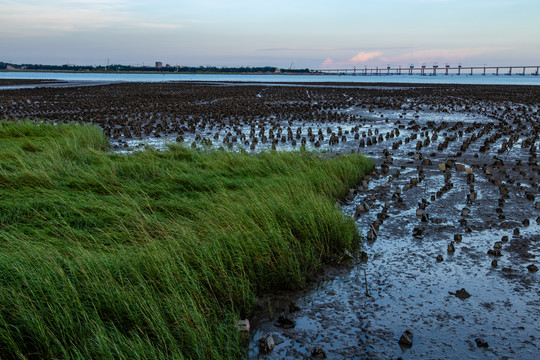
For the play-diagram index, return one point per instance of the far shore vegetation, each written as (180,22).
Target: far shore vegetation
(158,254)
(163,68)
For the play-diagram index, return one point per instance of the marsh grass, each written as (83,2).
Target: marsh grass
(154,255)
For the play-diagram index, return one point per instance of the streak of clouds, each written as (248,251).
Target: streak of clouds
(315,34)
(60,17)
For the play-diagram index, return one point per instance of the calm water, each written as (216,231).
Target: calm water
(415,79)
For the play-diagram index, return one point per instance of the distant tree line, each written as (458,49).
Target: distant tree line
(164,69)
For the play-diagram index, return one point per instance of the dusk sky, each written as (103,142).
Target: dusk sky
(315,34)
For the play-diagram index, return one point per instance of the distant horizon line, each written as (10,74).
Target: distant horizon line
(347,67)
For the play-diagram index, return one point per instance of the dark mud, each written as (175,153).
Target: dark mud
(22,82)
(452,205)
(18,84)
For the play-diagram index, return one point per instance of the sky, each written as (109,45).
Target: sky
(294,34)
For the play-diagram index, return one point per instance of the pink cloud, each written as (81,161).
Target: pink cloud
(364,56)
(358,59)
(328,62)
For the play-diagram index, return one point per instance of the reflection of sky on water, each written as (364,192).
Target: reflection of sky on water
(401,79)
(369,121)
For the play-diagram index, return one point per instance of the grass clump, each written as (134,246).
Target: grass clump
(157,254)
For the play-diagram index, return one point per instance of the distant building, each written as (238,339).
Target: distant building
(159,64)
(11,67)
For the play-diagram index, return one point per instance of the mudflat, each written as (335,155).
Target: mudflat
(450,216)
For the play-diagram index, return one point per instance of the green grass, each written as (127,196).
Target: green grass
(154,255)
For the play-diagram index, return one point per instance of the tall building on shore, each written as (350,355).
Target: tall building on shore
(159,64)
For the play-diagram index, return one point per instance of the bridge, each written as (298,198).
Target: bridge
(436,70)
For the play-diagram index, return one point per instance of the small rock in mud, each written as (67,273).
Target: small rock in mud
(458,237)
(461,294)
(293,307)
(406,338)
(526,222)
(285,323)
(418,231)
(439,258)
(351,195)
(362,208)
(318,353)
(497,245)
(346,256)
(451,247)
(532,268)
(371,236)
(243,327)
(363,256)
(496,252)
(494,263)
(481,343)
(516,231)
(266,344)
(504,238)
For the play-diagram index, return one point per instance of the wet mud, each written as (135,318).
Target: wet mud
(452,205)
(19,84)
(450,216)
(23,82)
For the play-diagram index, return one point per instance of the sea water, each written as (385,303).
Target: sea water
(475,79)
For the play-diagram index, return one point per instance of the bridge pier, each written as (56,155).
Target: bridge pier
(510,70)
(471,70)
(447,66)
(459,70)
(435,69)
(411,69)
(484,71)
(536,73)
(523,71)
(423,69)
(497,71)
